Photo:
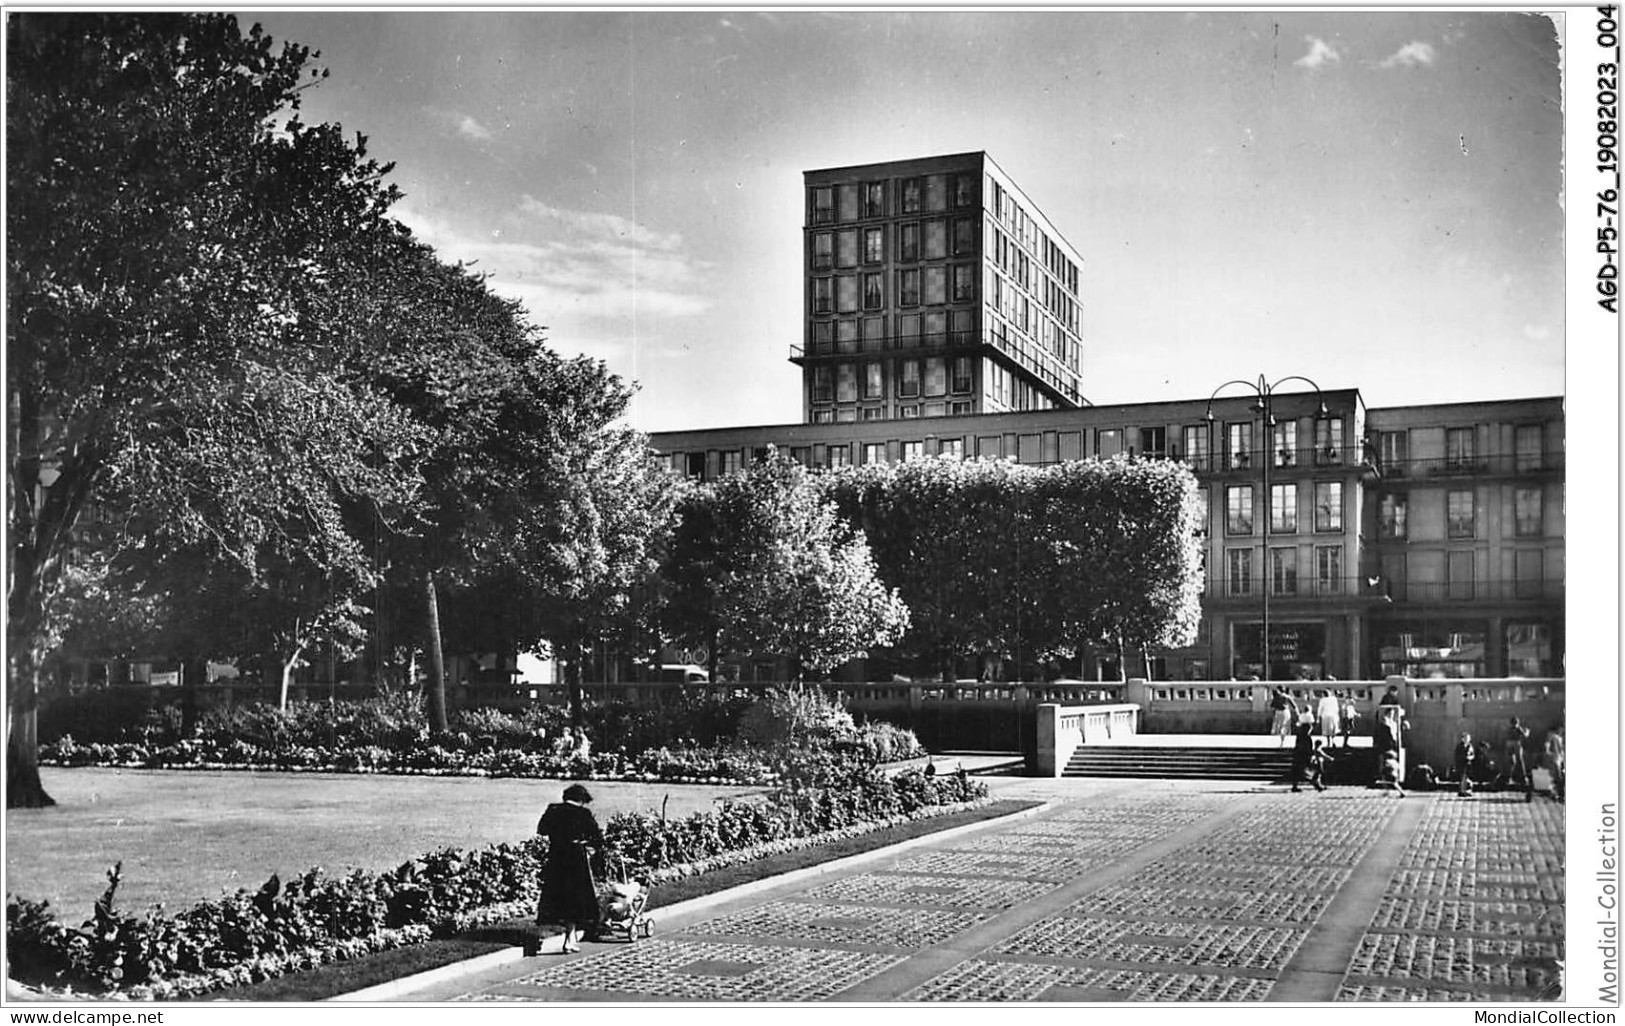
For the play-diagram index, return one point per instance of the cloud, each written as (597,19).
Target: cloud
(1409,55)
(574,268)
(1537,332)
(473,129)
(600,225)
(1320,54)
(465,125)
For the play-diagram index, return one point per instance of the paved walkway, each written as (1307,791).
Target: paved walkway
(1123,891)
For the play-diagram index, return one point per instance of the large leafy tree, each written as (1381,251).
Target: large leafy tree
(1120,539)
(953,536)
(589,566)
(531,483)
(763,563)
(169,217)
(1001,561)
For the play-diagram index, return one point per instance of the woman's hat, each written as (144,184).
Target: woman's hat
(578,794)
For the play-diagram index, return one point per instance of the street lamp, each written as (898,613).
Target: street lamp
(1264,391)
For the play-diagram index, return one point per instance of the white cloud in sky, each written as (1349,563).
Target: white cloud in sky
(1409,55)
(1320,54)
(581,269)
(600,225)
(473,129)
(465,125)
(1537,332)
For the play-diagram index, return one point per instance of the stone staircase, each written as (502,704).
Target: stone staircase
(1186,762)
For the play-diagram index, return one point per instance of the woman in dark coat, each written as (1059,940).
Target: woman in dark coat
(568,896)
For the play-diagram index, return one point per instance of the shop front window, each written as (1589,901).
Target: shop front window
(1433,652)
(1529,650)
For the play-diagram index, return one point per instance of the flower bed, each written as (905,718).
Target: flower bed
(377,736)
(314,919)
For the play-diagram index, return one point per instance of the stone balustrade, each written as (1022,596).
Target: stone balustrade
(1063,728)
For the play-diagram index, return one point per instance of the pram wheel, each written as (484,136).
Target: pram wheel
(648,928)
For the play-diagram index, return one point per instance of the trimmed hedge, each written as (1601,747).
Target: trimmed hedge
(313,919)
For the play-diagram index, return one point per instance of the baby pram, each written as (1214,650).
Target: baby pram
(621,903)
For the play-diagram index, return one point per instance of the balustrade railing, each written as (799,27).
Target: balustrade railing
(1423,468)
(1484,590)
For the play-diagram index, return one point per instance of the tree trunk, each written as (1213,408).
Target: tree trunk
(24,630)
(288,665)
(437,662)
(24,790)
(572,677)
(194,675)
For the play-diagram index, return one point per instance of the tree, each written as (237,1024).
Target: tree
(591,572)
(1121,537)
(169,216)
(762,562)
(1000,561)
(953,536)
(530,481)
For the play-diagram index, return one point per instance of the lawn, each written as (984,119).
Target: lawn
(188,835)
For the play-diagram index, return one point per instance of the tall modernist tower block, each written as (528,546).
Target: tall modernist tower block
(934,287)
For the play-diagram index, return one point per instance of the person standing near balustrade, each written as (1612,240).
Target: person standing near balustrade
(1556,761)
(1516,769)
(1284,715)
(1329,713)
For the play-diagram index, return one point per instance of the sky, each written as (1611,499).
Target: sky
(1372,200)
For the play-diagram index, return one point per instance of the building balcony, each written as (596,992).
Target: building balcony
(1022,356)
(1326,589)
(949,343)
(1283,461)
(1376,589)
(1456,592)
(1501,465)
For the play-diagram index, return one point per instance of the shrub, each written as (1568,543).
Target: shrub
(794,716)
(105,715)
(797,735)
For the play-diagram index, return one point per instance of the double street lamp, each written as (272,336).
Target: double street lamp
(1264,391)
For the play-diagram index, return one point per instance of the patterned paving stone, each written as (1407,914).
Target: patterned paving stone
(1049,845)
(1244,876)
(1201,903)
(1384,992)
(1467,857)
(932,891)
(1272,851)
(1474,911)
(704,971)
(1075,828)
(1507,918)
(1487,886)
(983,980)
(1160,813)
(842,924)
(1525,966)
(992,864)
(1156,943)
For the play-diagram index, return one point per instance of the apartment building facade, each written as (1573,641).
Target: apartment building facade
(941,318)
(934,287)
(1385,545)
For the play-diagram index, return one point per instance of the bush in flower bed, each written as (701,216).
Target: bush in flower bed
(387,735)
(313,919)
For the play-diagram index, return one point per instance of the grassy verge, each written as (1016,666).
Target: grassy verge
(344,977)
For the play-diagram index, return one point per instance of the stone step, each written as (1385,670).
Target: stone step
(1186,763)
